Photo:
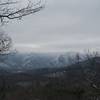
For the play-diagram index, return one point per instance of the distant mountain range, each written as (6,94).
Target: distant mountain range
(49,75)
(20,62)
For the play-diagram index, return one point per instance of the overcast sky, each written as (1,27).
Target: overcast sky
(64,25)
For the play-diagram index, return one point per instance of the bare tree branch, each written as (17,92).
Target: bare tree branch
(5,43)
(12,12)
(7,3)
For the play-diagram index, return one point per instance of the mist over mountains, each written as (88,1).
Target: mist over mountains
(21,62)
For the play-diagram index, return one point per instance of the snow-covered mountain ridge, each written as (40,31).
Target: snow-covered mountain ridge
(17,61)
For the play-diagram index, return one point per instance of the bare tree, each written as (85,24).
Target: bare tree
(12,9)
(5,43)
(5,46)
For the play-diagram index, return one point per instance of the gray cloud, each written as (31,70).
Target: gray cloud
(62,24)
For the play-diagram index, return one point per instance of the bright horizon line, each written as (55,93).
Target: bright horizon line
(44,48)
(27,45)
